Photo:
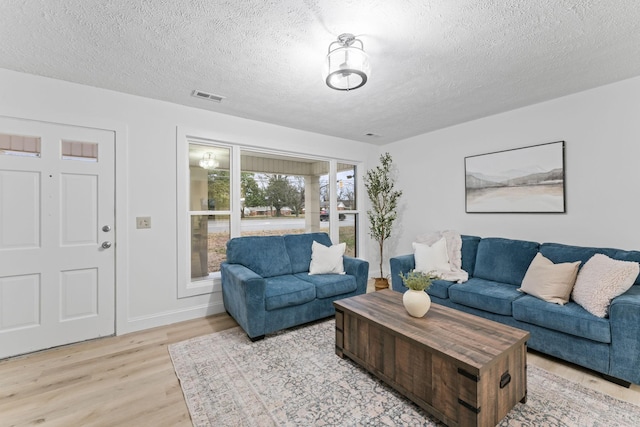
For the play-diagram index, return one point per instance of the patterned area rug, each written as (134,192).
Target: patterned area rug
(294,378)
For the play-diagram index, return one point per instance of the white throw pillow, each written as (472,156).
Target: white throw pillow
(454,245)
(327,260)
(548,281)
(431,257)
(601,280)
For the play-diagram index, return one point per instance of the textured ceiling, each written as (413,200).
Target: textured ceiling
(434,63)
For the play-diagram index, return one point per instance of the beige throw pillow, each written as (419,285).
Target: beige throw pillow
(601,280)
(327,260)
(431,257)
(548,281)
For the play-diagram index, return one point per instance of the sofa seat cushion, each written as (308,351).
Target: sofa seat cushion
(440,288)
(286,291)
(330,285)
(494,297)
(570,318)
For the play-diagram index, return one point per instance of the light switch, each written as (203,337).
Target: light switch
(143,222)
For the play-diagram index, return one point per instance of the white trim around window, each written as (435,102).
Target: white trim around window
(188,287)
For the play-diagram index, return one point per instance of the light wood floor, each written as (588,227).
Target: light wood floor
(129,380)
(116,381)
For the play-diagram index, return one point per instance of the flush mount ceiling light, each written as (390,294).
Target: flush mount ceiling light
(208,161)
(347,65)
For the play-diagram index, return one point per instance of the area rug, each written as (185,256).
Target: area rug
(294,378)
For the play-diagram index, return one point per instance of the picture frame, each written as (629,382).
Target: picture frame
(521,180)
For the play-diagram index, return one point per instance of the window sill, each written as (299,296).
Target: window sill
(202,286)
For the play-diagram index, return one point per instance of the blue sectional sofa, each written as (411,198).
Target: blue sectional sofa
(496,267)
(266,284)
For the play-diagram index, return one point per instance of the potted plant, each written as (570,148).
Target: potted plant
(384,201)
(417,280)
(415,300)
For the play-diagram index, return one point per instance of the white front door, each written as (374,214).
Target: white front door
(57,248)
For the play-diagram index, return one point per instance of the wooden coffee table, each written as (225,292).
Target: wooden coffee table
(463,369)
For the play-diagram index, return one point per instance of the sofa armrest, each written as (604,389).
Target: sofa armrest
(401,264)
(358,268)
(624,318)
(243,296)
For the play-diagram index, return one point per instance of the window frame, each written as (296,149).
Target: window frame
(355,212)
(188,287)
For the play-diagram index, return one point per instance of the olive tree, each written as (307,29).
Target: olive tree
(380,184)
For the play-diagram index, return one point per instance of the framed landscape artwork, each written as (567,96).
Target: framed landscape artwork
(522,180)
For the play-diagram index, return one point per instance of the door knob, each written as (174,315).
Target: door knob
(106,245)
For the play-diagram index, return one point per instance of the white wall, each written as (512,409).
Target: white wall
(146,179)
(601,128)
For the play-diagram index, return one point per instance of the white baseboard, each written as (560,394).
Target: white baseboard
(140,323)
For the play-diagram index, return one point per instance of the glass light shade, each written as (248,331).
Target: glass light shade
(346,68)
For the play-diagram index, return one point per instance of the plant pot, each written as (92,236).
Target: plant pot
(417,303)
(381,283)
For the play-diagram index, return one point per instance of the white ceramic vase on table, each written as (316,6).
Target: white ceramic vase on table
(417,303)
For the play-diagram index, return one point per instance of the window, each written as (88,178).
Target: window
(347,207)
(204,216)
(19,145)
(209,207)
(227,190)
(78,150)
(281,194)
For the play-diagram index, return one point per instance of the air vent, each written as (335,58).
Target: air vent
(206,95)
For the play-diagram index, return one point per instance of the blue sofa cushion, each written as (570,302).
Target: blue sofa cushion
(440,288)
(266,255)
(494,297)
(287,291)
(504,260)
(330,285)
(299,249)
(629,256)
(570,318)
(557,252)
(469,253)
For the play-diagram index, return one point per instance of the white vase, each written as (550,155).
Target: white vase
(416,303)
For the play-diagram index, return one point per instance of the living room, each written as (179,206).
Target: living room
(598,124)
